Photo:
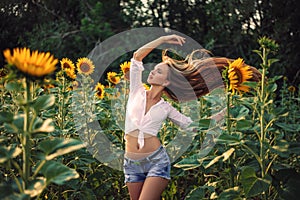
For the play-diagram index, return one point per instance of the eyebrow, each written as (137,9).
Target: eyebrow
(158,67)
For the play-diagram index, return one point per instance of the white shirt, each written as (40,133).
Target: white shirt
(151,122)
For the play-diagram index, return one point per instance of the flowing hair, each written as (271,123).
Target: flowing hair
(192,77)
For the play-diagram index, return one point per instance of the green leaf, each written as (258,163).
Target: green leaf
(36,187)
(59,146)
(272,87)
(297,99)
(244,125)
(195,194)
(199,192)
(194,160)
(272,60)
(281,148)
(258,52)
(276,78)
(225,156)
(7,192)
(230,194)
(43,102)
(288,127)
(228,139)
(9,152)
(58,173)
(17,124)
(251,84)
(45,127)
(204,124)
(188,163)
(252,184)
(239,112)
(11,128)
(294,147)
(6,117)
(13,86)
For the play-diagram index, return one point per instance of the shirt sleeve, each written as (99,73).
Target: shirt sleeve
(136,69)
(179,118)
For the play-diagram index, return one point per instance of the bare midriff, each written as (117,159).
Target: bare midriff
(151,143)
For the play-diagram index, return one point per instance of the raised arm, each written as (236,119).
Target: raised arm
(142,52)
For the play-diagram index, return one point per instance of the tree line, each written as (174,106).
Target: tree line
(71,28)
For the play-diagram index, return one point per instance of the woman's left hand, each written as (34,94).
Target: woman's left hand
(173,39)
(147,48)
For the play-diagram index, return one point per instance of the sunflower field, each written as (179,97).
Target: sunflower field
(43,156)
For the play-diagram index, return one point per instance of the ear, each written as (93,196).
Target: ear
(166,83)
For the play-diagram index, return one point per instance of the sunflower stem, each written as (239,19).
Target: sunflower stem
(225,75)
(62,104)
(262,113)
(26,145)
(228,124)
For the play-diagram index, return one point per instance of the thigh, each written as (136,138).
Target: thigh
(134,190)
(153,187)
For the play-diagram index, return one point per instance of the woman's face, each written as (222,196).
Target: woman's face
(159,75)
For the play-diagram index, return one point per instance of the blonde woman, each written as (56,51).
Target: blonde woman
(146,162)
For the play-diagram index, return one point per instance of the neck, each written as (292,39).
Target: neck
(155,92)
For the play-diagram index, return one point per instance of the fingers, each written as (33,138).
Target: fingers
(181,40)
(175,39)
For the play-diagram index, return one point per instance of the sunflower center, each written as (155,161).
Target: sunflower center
(113,79)
(99,92)
(85,67)
(239,76)
(66,66)
(126,70)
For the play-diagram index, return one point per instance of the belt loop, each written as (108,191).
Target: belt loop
(148,158)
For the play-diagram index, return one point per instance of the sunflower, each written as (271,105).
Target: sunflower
(292,89)
(70,73)
(115,95)
(113,78)
(68,66)
(238,73)
(66,63)
(3,73)
(85,66)
(75,84)
(34,63)
(125,67)
(146,86)
(99,91)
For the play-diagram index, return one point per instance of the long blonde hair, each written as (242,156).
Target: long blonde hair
(193,77)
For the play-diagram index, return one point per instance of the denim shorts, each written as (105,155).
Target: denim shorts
(157,164)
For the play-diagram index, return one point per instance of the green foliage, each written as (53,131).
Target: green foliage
(250,156)
(29,156)
(228,28)
(255,157)
(252,184)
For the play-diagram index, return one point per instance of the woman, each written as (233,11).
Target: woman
(146,163)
